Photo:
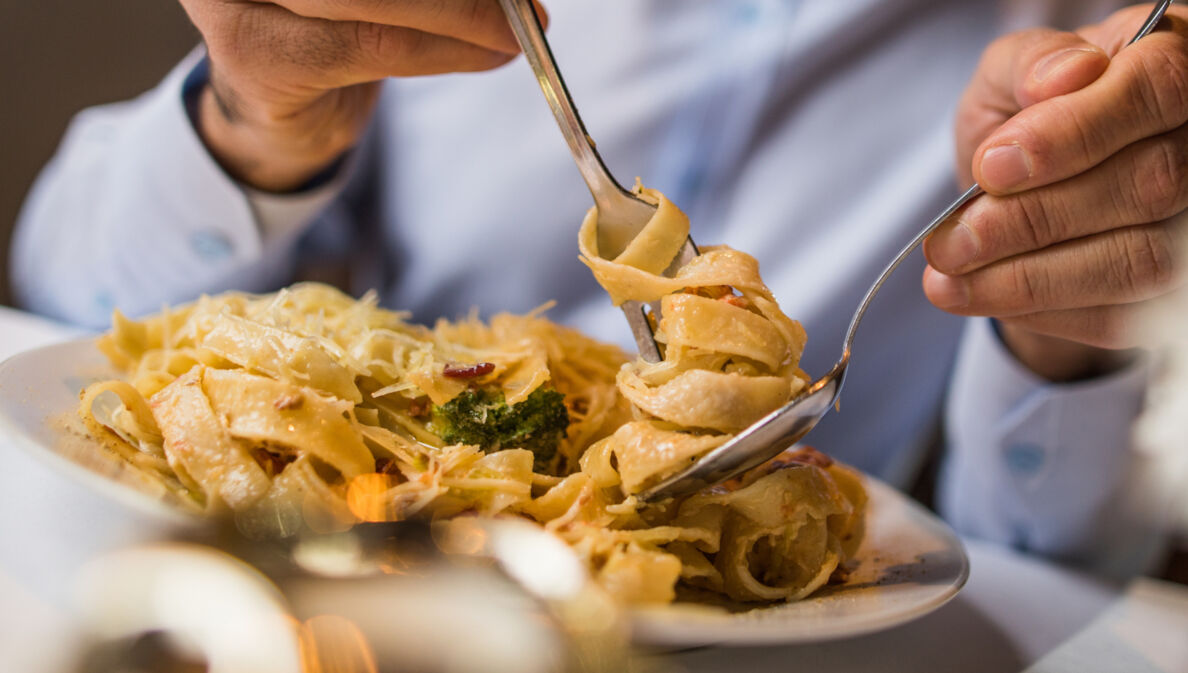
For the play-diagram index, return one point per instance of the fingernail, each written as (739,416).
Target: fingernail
(955,249)
(1005,167)
(1056,61)
(945,291)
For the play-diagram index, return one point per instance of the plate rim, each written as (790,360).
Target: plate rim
(13,434)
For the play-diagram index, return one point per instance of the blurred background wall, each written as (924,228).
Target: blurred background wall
(59,56)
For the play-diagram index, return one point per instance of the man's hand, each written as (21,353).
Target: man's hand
(293,82)
(1082,147)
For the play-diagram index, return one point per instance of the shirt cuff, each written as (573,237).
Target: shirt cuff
(1030,463)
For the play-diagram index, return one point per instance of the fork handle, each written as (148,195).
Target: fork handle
(521,14)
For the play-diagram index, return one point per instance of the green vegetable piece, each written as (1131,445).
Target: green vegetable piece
(483,418)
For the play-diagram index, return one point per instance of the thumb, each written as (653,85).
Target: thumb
(1019,70)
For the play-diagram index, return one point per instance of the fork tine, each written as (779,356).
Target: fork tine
(641,328)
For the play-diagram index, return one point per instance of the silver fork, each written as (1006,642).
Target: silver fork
(770,435)
(621,215)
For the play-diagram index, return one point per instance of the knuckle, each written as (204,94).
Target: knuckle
(404,43)
(1147,260)
(982,217)
(1158,254)
(370,38)
(1028,285)
(1079,138)
(1087,136)
(1034,217)
(1161,82)
(1161,181)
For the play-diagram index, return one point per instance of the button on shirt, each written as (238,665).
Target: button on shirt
(815,135)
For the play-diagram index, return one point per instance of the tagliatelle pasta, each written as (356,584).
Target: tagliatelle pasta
(306,409)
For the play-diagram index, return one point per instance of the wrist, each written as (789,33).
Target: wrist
(271,157)
(1059,360)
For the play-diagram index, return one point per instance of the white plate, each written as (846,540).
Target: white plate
(39,394)
(909,563)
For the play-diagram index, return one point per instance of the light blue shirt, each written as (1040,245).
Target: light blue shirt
(815,135)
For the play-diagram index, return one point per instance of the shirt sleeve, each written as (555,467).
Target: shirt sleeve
(1036,465)
(133,213)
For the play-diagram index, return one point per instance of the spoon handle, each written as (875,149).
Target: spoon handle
(907,250)
(521,15)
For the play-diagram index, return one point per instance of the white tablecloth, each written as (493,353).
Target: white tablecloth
(1016,613)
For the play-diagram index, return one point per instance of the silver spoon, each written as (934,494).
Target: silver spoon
(770,435)
(621,215)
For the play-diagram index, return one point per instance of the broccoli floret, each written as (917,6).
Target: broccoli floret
(483,418)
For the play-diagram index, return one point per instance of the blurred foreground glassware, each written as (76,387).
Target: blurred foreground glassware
(507,596)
